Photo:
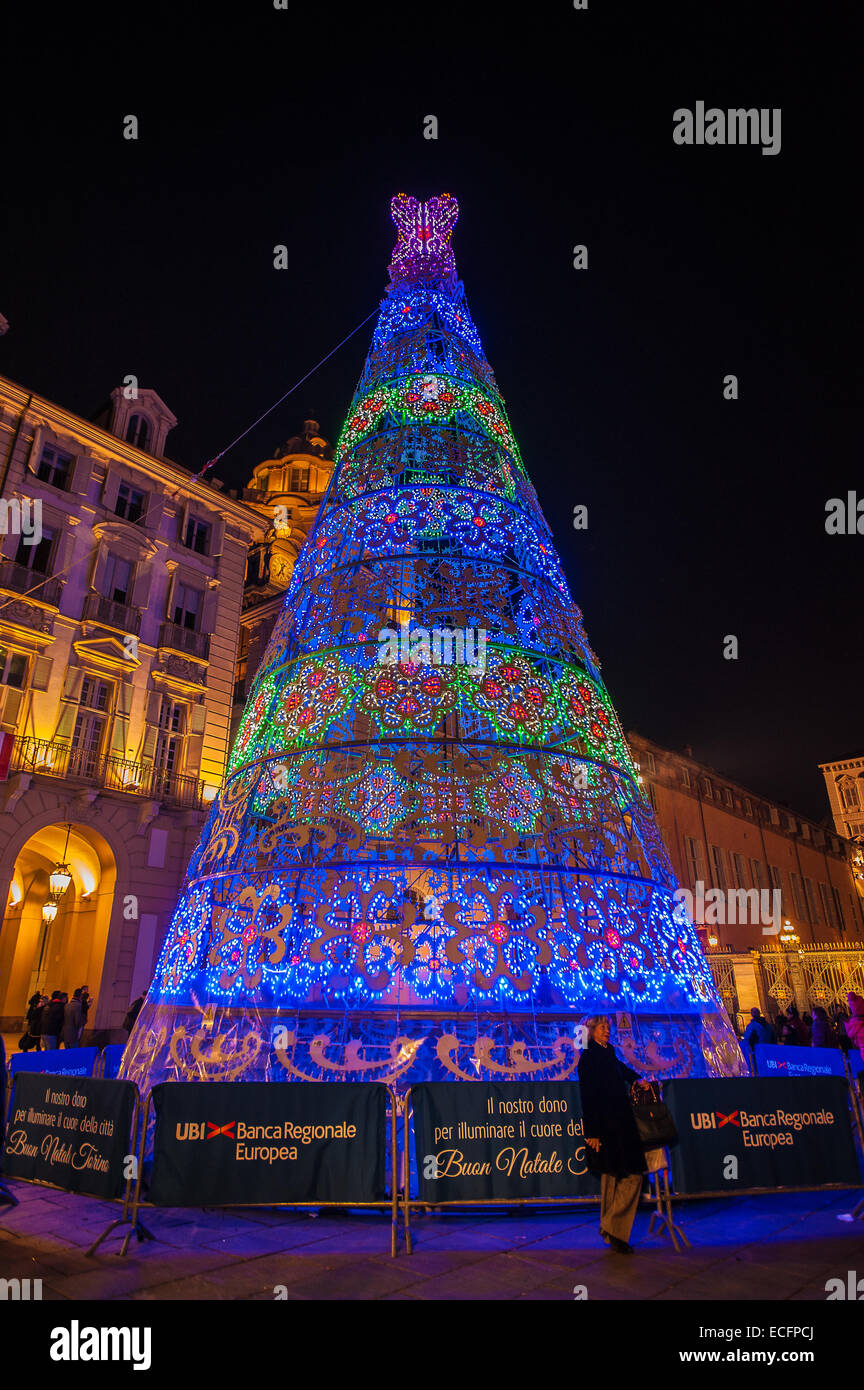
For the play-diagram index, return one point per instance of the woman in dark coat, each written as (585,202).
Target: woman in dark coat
(615,1152)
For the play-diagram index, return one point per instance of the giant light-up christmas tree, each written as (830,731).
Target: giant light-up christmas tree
(430,857)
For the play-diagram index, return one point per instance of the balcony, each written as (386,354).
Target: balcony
(52,758)
(117,616)
(18,579)
(174,638)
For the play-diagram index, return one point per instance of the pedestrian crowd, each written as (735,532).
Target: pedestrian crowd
(843,1028)
(57,1021)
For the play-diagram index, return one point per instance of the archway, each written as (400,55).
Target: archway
(68,951)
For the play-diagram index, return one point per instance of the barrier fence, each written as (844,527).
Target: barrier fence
(463,1144)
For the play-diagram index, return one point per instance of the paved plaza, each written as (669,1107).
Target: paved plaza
(781,1246)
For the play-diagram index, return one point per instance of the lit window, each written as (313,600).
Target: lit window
(138,431)
(94,693)
(13,668)
(197,535)
(186,603)
(37,557)
(116,579)
(55,467)
(130,503)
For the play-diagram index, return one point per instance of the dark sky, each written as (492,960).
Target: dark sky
(258,127)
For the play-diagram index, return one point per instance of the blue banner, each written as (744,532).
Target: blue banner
(112,1056)
(74,1061)
(754,1131)
(774,1060)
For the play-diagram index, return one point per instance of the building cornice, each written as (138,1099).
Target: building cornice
(102,442)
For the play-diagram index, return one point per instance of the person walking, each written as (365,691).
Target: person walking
(854,1026)
(758,1030)
(838,1023)
(72,1021)
(132,1013)
(32,1024)
(86,1002)
(823,1033)
(615,1152)
(52,1020)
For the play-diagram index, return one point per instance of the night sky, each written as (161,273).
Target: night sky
(260,127)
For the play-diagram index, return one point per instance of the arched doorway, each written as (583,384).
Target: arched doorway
(69,949)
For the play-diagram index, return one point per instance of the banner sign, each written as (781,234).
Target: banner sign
(73,1061)
(775,1060)
(480,1140)
(753,1131)
(112,1056)
(75,1135)
(227,1143)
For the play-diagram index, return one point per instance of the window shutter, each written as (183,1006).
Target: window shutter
(139,592)
(120,725)
(72,683)
(194,750)
(97,568)
(208,611)
(217,537)
(148,746)
(110,490)
(41,677)
(80,474)
(12,707)
(36,449)
(197,719)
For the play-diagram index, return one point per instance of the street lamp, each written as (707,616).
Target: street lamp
(60,876)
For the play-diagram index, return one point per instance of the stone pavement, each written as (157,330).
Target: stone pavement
(783,1246)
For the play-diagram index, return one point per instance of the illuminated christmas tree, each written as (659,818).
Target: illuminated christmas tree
(431,856)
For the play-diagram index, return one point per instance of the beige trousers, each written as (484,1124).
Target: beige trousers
(619,1198)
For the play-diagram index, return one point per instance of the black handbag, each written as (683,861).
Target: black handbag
(654,1122)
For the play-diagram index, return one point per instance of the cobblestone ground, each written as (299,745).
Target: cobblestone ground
(783,1246)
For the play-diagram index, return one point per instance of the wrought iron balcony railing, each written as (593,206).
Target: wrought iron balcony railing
(53,758)
(184,639)
(18,579)
(118,616)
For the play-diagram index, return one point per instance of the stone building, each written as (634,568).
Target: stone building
(287,490)
(726,837)
(845,783)
(121,590)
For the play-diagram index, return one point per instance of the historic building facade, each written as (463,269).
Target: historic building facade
(121,589)
(845,783)
(287,491)
(726,837)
